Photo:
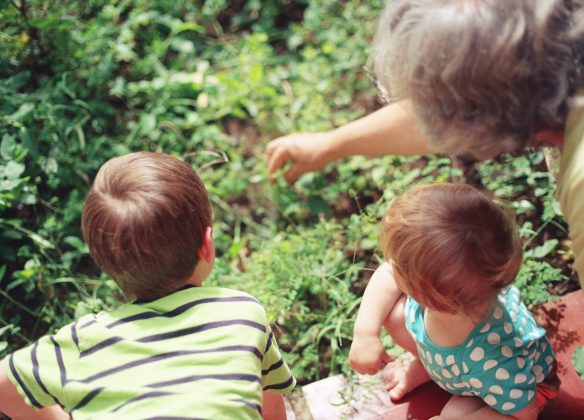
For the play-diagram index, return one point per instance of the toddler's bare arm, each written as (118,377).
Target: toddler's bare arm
(273,406)
(367,354)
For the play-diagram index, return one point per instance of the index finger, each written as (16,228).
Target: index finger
(271,147)
(277,160)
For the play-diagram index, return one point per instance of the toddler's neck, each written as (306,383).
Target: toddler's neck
(449,330)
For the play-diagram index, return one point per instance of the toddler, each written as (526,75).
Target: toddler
(179,350)
(445,295)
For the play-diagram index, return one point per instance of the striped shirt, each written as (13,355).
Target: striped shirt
(201,352)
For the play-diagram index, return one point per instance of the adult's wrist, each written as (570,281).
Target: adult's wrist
(337,144)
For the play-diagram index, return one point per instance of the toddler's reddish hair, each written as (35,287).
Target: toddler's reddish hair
(451,245)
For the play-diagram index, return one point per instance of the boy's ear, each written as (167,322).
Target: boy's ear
(207,249)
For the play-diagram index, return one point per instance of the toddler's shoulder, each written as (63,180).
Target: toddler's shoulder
(509,327)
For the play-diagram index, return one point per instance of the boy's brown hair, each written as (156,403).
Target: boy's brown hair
(144,221)
(451,245)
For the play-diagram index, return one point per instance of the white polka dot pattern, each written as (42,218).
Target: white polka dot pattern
(489,364)
(489,399)
(516,393)
(477,354)
(475,383)
(502,374)
(496,389)
(500,361)
(508,406)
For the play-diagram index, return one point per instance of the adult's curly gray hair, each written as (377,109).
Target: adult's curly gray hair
(483,75)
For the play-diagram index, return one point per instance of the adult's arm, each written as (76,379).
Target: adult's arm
(391,130)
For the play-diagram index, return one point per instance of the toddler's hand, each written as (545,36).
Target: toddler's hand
(368,355)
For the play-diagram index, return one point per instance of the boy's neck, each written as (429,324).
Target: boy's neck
(202,271)
(449,330)
(195,282)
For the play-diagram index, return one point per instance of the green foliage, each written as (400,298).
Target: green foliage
(211,82)
(306,280)
(578,359)
(533,280)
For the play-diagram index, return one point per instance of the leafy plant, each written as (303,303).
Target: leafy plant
(212,82)
(578,360)
(305,279)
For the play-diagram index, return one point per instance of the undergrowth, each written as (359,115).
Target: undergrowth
(212,82)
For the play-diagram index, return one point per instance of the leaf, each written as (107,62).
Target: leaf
(124,52)
(182,45)
(52,21)
(578,360)
(542,250)
(5,329)
(256,74)
(22,111)
(9,184)
(13,170)
(189,26)
(50,165)
(318,205)
(76,243)
(40,241)
(523,206)
(80,136)
(7,147)
(328,48)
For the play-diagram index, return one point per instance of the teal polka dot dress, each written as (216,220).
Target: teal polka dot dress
(501,361)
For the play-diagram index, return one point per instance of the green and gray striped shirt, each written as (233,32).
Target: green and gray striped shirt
(201,352)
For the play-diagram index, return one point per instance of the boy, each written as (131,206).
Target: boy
(179,349)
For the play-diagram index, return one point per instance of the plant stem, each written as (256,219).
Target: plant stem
(17,303)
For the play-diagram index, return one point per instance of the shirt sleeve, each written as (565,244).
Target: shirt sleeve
(276,375)
(39,371)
